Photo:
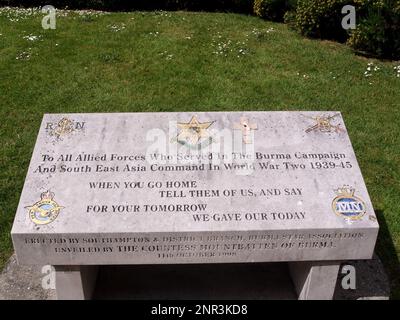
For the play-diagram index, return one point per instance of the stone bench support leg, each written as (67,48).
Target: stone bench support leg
(75,282)
(314,280)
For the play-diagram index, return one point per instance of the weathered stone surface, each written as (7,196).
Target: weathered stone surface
(260,186)
(18,282)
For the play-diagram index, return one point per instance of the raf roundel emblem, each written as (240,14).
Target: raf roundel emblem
(347,205)
(44,211)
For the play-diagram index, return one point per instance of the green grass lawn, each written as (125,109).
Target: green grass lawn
(181,61)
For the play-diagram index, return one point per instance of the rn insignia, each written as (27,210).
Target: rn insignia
(63,127)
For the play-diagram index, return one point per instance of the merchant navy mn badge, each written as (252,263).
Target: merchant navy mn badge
(45,210)
(347,205)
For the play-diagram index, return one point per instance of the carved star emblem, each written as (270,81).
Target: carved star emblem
(246,128)
(193,131)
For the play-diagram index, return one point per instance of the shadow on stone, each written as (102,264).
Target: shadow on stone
(388,254)
(207,281)
(371,281)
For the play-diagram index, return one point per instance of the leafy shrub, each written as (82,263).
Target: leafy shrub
(272,9)
(290,18)
(321,19)
(378,32)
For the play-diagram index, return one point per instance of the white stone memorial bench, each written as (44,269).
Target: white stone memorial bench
(194,188)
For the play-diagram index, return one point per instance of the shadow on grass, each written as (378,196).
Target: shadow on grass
(386,251)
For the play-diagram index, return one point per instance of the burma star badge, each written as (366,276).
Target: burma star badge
(193,132)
